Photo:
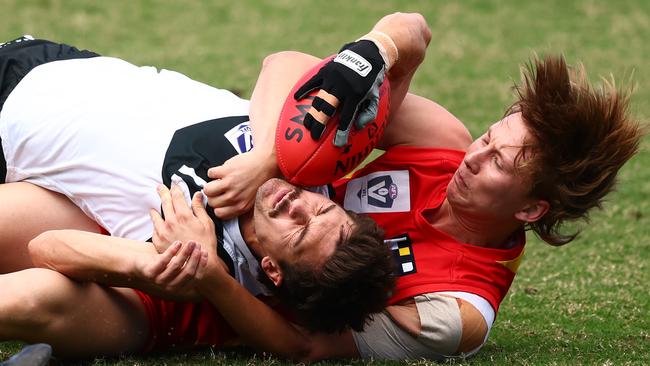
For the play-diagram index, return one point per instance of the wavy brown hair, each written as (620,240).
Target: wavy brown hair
(345,291)
(581,136)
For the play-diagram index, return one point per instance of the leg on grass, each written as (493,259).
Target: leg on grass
(28,210)
(77,319)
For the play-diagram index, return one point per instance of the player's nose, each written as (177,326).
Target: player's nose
(298,211)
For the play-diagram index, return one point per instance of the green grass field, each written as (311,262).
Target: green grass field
(587,303)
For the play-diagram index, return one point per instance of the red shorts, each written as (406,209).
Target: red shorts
(178,325)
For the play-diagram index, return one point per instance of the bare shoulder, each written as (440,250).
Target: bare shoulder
(422,122)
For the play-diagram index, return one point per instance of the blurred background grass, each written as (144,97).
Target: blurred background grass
(586,303)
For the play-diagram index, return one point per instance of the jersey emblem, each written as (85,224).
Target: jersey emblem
(240,137)
(379,192)
(402,249)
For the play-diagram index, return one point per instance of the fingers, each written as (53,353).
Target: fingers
(172,273)
(202,267)
(367,113)
(198,259)
(325,107)
(322,109)
(157,220)
(158,228)
(369,109)
(216,187)
(348,113)
(307,87)
(189,270)
(229,212)
(170,252)
(226,200)
(165,200)
(216,192)
(163,261)
(198,208)
(181,208)
(314,126)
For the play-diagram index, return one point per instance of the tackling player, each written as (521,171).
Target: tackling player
(181,128)
(455,210)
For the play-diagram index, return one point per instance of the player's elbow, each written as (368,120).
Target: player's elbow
(417,25)
(421,34)
(411,35)
(41,248)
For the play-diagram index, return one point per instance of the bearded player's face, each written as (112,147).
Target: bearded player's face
(294,225)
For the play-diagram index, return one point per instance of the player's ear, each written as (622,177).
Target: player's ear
(272,270)
(533,211)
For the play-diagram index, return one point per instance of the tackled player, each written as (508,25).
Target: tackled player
(454,210)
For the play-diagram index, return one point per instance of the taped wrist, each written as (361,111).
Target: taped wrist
(386,45)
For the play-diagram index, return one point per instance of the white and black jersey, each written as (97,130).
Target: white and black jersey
(105,133)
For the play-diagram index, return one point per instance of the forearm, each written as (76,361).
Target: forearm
(404,37)
(411,36)
(280,72)
(258,325)
(91,257)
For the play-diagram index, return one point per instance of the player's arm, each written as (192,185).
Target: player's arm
(257,324)
(395,47)
(414,120)
(261,327)
(403,37)
(422,122)
(119,262)
(233,190)
(235,182)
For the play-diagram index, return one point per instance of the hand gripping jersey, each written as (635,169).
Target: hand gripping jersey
(396,190)
(105,133)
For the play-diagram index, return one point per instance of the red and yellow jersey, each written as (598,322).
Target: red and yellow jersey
(398,190)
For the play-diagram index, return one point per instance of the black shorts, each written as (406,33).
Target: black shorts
(20,56)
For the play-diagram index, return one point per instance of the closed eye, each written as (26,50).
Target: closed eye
(305,229)
(497,162)
(301,236)
(326,210)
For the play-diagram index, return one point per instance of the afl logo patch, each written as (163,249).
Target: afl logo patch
(379,192)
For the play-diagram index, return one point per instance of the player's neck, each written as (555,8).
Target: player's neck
(470,230)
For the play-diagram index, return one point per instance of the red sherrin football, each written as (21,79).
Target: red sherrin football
(305,161)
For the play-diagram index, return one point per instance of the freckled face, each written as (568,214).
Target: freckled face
(486,183)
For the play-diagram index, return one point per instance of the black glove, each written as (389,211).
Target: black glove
(354,77)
